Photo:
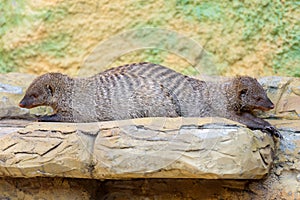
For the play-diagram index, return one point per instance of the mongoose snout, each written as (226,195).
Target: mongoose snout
(268,107)
(22,104)
(27,103)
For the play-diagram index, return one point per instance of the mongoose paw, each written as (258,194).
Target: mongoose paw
(273,131)
(49,118)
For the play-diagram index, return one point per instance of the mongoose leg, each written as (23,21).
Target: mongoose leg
(253,122)
(273,131)
(51,118)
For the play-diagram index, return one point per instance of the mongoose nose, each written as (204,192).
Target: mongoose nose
(272,106)
(21,104)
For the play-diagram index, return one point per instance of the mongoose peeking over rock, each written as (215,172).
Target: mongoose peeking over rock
(148,90)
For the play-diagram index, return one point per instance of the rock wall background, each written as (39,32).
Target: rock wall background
(256,38)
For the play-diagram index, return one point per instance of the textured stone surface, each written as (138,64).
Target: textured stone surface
(150,147)
(284,93)
(281,183)
(48,188)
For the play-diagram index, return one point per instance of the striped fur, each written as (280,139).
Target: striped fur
(181,87)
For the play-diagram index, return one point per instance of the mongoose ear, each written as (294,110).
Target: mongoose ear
(49,89)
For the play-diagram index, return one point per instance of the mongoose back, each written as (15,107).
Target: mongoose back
(148,90)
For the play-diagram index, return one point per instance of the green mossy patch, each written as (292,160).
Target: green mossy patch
(260,20)
(247,25)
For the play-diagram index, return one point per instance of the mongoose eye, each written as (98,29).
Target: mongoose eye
(34,96)
(243,92)
(258,98)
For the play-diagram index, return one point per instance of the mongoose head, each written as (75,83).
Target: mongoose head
(41,91)
(251,94)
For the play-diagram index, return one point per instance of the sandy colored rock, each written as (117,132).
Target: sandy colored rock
(284,92)
(151,147)
(46,188)
(281,183)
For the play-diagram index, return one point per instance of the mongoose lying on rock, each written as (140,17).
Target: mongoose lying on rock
(103,97)
(148,90)
(234,99)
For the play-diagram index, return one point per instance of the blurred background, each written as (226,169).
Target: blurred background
(256,38)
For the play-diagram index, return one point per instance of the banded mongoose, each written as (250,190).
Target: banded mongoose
(106,96)
(148,90)
(235,98)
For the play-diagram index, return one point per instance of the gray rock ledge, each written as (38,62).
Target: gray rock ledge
(209,148)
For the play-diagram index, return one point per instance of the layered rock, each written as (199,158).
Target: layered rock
(150,147)
(104,151)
